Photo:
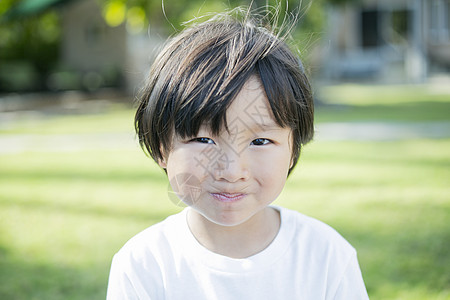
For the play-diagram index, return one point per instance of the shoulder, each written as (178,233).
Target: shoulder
(330,262)
(137,268)
(313,234)
(153,241)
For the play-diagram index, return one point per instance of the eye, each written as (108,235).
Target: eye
(260,142)
(203,140)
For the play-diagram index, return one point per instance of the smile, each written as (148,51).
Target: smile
(228,197)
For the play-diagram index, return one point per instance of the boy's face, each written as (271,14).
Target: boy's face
(231,177)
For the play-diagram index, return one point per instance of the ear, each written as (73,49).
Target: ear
(162,163)
(292,162)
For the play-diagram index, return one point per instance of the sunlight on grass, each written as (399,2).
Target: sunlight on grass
(65,214)
(116,118)
(344,103)
(68,213)
(360,95)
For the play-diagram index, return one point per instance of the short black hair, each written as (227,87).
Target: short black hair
(201,70)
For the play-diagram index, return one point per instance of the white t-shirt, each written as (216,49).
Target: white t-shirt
(306,260)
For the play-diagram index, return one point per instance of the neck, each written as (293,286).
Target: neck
(240,241)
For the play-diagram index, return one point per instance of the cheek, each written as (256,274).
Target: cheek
(187,187)
(271,182)
(186,173)
(273,162)
(180,162)
(184,176)
(271,172)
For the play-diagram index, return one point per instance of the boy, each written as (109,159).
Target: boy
(226,109)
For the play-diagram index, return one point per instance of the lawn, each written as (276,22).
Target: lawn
(345,103)
(64,214)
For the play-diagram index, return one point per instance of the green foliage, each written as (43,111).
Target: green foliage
(30,44)
(171,15)
(29,48)
(31,38)
(5,5)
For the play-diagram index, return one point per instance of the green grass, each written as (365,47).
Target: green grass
(346,103)
(63,215)
(113,118)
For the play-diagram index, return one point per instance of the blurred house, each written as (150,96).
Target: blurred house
(388,40)
(90,47)
(102,52)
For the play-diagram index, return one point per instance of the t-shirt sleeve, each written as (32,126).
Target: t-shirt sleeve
(351,286)
(119,283)
(134,274)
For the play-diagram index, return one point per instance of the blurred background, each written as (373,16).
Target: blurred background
(74,185)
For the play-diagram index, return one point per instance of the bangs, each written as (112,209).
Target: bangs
(200,72)
(214,73)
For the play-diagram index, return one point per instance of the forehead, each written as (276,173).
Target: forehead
(251,108)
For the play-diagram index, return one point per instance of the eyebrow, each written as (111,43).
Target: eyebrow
(254,127)
(264,126)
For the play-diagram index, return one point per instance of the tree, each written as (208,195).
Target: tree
(33,35)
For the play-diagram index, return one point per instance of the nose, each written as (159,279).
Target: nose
(232,167)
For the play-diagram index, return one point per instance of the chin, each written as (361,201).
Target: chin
(227,219)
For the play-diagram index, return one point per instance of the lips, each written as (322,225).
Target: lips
(228,197)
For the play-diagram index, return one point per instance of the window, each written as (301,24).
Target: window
(401,24)
(370,29)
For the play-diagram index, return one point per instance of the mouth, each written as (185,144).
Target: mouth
(228,197)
